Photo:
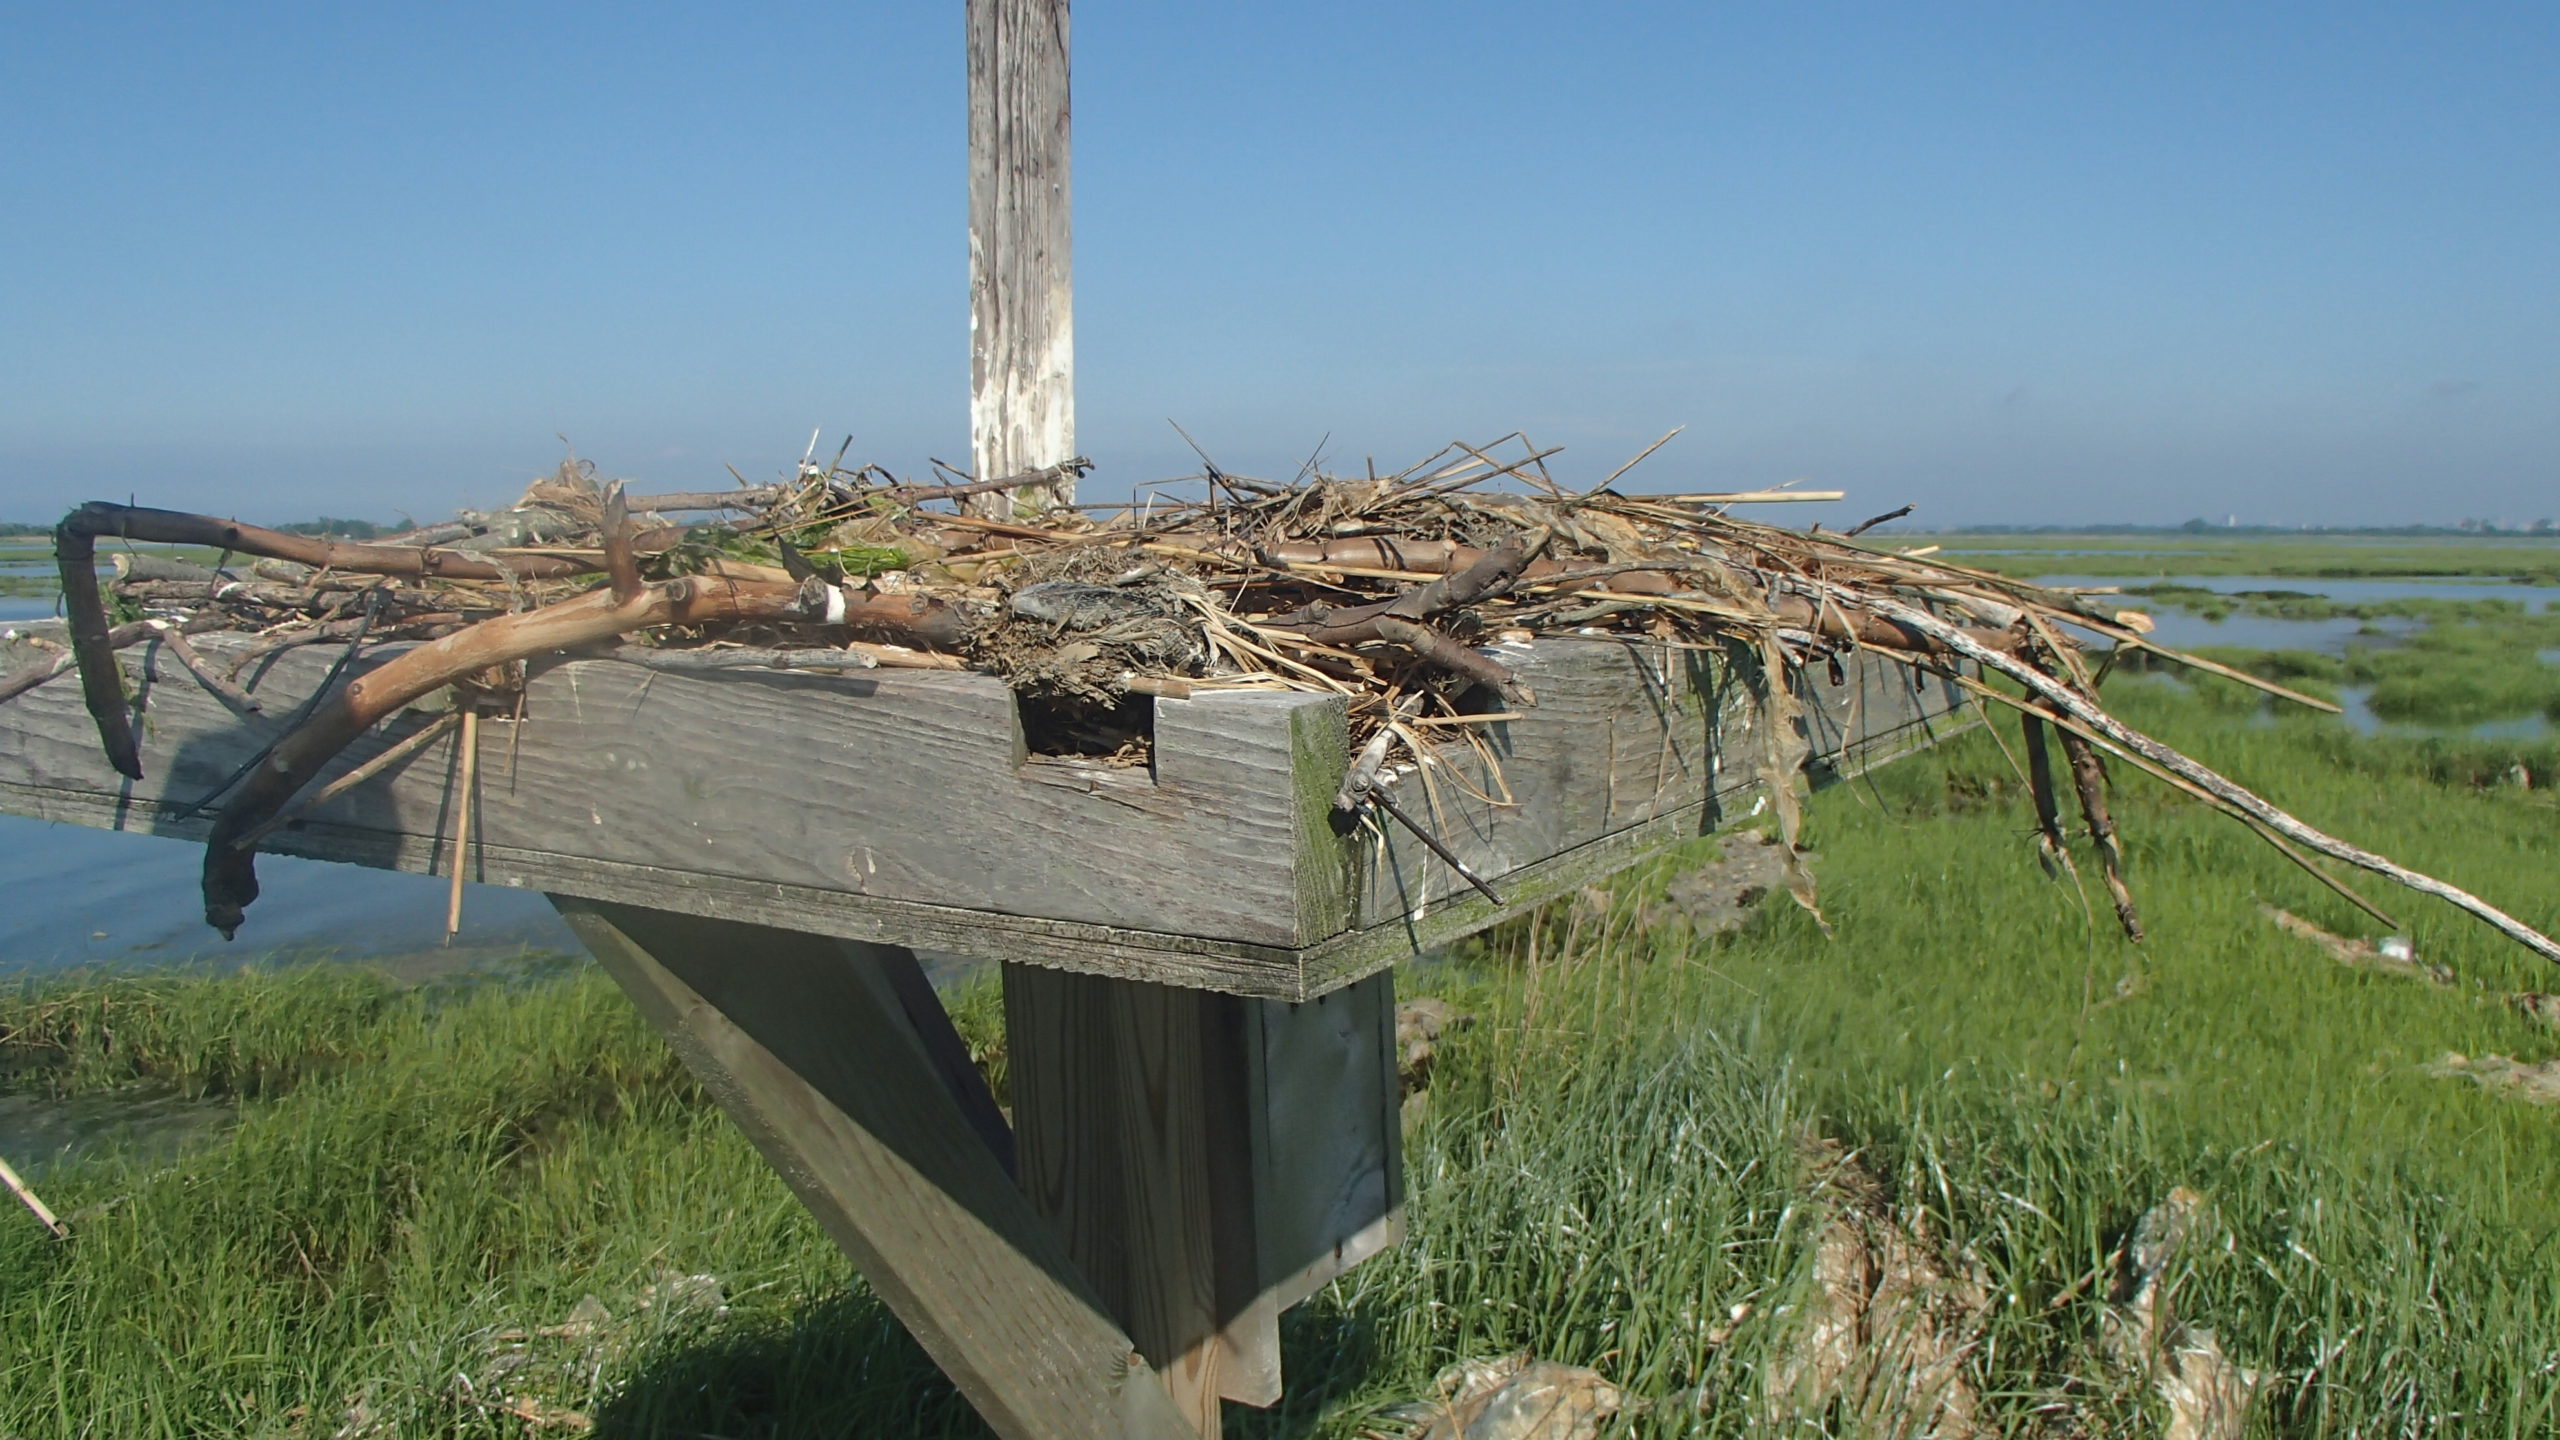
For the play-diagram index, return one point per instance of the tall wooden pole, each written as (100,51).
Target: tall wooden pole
(1022,356)
(1129,1108)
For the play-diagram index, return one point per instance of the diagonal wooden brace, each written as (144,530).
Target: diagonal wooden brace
(807,1045)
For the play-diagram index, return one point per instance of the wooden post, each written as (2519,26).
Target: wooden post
(1130,1111)
(1129,1106)
(1208,1159)
(1022,358)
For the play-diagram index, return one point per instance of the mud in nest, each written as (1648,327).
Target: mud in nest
(1074,627)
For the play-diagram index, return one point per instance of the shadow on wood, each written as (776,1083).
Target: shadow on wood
(1208,1160)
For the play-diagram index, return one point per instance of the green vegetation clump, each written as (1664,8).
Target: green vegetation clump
(331,527)
(443,1205)
(816,545)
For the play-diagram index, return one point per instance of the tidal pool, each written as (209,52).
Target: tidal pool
(2182,630)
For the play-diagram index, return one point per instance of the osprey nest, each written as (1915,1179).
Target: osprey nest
(1396,591)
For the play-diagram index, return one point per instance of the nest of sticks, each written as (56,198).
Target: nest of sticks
(1395,591)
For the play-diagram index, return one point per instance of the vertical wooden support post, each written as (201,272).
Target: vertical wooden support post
(1132,1137)
(1209,1160)
(1022,354)
(1138,1107)
(806,1042)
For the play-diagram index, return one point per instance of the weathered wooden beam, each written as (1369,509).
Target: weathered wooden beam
(1622,736)
(1323,1102)
(1208,1160)
(806,1044)
(1130,1123)
(900,807)
(1021,294)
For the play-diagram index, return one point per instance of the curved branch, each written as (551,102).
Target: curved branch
(75,551)
(424,562)
(93,646)
(230,861)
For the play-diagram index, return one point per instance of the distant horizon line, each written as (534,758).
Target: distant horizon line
(2538,529)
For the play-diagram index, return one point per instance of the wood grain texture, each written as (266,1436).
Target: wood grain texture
(910,786)
(1625,732)
(809,1050)
(900,808)
(1021,253)
(1129,1109)
(1208,1160)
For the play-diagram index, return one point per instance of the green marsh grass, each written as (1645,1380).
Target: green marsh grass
(2522,559)
(425,1185)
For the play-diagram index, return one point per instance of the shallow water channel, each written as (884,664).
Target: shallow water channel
(2181,630)
(146,1125)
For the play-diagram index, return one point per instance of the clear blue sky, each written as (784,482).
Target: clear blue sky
(2037,263)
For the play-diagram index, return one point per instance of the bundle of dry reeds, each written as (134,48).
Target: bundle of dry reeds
(1392,590)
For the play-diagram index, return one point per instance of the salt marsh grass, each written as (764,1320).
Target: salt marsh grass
(2524,559)
(426,1185)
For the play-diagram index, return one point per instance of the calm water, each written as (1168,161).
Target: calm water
(2531,597)
(80,895)
(143,1124)
(2182,631)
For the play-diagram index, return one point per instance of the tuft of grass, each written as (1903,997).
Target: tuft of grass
(249,1033)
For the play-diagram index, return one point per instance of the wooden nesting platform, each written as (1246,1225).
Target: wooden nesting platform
(902,806)
(1199,1012)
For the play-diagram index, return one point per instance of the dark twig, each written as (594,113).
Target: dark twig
(2049,841)
(2089,776)
(621,563)
(174,639)
(1437,649)
(346,657)
(1872,521)
(1449,857)
(1046,475)
(753,498)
